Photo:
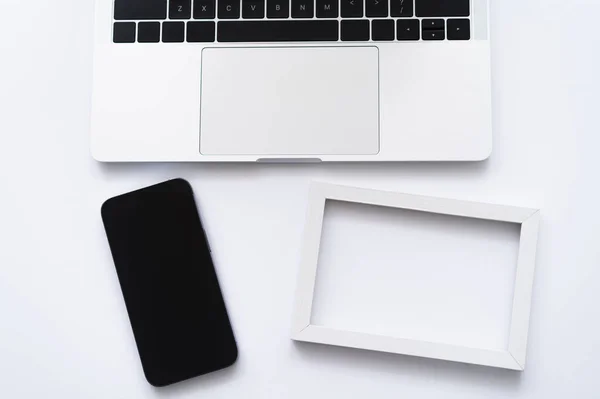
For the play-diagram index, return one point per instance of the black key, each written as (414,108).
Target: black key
(376,8)
(352,8)
(253,9)
(382,29)
(401,8)
(229,9)
(433,24)
(180,9)
(204,9)
(277,31)
(278,8)
(148,32)
(198,32)
(124,32)
(459,29)
(442,8)
(173,32)
(140,9)
(327,8)
(355,30)
(408,29)
(302,8)
(429,34)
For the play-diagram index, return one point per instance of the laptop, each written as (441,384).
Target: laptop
(291,80)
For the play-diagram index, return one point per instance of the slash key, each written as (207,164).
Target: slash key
(402,8)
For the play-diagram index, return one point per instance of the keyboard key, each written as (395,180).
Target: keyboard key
(148,32)
(429,34)
(433,24)
(401,8)
(253,9)
(204,9)
(278,8)
(229,9)
(459,29)
(442,8)
(124,32)
(355,30)
(277,31)
(302,8)
(352,8)
(327,8)
(408,29)
(173,32)
(382,29)
(140,9)
(376,8)
(180,9)
(198,32)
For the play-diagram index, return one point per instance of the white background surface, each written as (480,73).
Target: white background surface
(64,332)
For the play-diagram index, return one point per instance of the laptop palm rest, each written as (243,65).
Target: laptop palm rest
(290,101)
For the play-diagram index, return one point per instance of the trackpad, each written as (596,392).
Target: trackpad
(290,101)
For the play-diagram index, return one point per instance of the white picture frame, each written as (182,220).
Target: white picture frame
(513,358)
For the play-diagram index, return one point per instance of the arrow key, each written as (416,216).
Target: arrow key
(433,24)
(438,34)
(459,29)
(408,29)
(253,9)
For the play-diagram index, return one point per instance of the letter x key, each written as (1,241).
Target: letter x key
(204,9)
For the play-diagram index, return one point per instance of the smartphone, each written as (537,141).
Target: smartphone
(169,284)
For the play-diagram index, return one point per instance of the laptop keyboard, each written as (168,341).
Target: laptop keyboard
(235,21)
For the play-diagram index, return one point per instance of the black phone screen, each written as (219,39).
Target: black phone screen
(169,284)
